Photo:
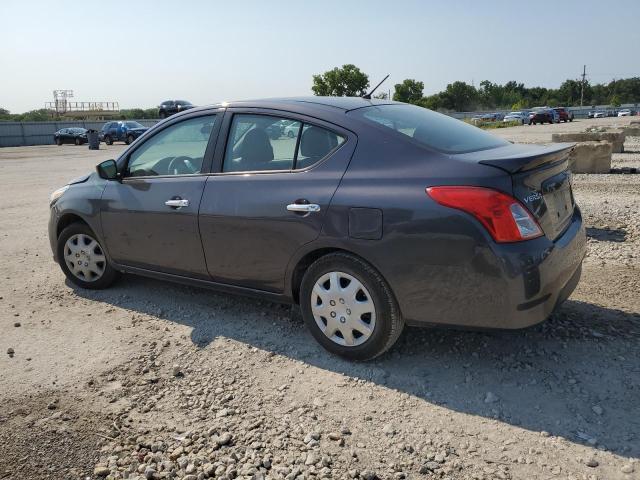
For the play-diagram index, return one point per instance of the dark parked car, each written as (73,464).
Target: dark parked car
(122,131)
(376,214)
(168,108)
(540,116)
(565,115)
(74,135)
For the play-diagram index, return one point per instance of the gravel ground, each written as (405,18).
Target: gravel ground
(152,380)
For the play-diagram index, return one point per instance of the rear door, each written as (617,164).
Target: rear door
(270,194)
(150,219)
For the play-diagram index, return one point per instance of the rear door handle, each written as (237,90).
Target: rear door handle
(177,203)
(303,207)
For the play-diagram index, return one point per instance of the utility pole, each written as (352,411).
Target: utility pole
(584,74)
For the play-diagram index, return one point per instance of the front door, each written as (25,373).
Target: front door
(150,219)
(270,197)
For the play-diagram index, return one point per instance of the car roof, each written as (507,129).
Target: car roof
(341,103)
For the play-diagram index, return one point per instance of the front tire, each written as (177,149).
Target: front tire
(82,258)
(162,115)
(349,308)
(108,140)
(78,142)
(59,141)
(129,139)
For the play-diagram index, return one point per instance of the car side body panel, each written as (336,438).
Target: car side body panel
(248,234)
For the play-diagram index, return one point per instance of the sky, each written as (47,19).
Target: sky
(140,53)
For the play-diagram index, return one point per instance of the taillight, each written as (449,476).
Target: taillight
(506,219)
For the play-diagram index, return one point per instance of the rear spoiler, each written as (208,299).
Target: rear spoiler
(522,157)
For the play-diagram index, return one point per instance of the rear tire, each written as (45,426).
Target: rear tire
(108,140)
(162,115)
(78,142)
(88,251)
(372,332)
(59,141)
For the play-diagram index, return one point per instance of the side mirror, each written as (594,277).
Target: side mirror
(108,170)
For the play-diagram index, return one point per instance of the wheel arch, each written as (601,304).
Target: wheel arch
(67,219)
(307,258)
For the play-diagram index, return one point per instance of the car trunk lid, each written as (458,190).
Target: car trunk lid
(540,177)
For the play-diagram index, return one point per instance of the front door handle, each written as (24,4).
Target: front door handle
(303,207)
(177,203)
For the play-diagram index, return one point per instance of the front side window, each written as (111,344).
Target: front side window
(429,128)
(265,142)
(177,150)
(133,125)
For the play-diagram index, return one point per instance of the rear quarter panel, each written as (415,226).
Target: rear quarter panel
(438,261)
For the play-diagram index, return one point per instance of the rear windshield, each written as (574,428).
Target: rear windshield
(431,129)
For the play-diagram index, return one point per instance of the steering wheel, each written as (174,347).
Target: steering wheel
(181,165)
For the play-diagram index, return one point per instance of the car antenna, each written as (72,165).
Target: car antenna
(368,95)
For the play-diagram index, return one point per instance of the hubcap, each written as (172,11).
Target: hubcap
(84,257)
(343,309)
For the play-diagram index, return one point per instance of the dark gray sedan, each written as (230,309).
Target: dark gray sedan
(371,215)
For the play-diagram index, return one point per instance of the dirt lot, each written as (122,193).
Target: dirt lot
(153,380)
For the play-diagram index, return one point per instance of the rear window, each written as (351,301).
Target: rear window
(431,129)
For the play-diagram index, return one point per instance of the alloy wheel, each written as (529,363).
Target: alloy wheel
(343,309)
(84,257)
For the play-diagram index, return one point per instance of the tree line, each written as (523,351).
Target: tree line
(349,80)
(44,115)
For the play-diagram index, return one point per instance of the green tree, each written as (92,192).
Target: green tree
(615,101)
(345,81)
(432,102)
(459,96)
(409,91)
(519,105)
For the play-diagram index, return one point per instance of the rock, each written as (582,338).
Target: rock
(312,459)
(10,352)
(429,467)
(224,439)
(101,471)
(17,324)
(628,468)
(177,453)
(334,436)
(591,462)
(389,430)
(490,397)
(368,475)
(149,473)
(176,371)
(597,409)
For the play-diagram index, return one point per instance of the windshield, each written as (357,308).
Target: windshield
(133,125)
(431,129)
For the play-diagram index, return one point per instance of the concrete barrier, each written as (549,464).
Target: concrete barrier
(591,157)
(615,137)
(632,131)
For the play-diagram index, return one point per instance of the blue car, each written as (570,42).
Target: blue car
(123,131)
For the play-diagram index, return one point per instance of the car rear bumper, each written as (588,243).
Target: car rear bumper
(513,286)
